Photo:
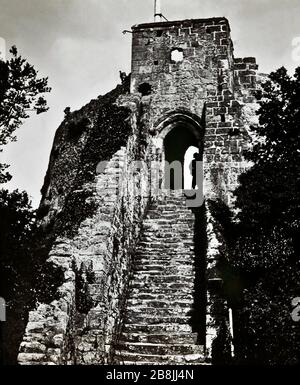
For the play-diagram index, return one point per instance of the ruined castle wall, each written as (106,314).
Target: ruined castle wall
(80,142)
(208,82)
(186,83)
(62,332)
(94,217)
(80,325)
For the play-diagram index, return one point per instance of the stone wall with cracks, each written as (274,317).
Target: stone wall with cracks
(80,326)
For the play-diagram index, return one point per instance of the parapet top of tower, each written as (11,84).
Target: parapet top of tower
(216,22)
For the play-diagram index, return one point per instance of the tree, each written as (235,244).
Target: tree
(20,93)
(16,266)
(269,192)
(266,251)
(16,225)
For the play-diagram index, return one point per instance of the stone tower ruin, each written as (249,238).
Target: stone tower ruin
(140,279)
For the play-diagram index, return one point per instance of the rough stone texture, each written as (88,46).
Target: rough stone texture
(85,137)
(209,85)
(158,324)
(95,218)
(104,240)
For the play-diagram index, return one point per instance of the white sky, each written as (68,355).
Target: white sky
(79,45)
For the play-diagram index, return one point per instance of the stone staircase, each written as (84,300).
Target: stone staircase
(157,321)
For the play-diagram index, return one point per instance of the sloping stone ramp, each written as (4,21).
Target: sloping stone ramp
(157,322)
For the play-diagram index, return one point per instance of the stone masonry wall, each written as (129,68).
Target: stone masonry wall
(208,82)
(65,331)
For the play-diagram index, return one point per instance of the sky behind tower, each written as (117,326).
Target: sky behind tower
(79,45)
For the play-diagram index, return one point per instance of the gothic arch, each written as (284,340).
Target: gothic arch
(176,132)
(183,118)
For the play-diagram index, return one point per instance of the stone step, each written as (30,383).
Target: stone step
(163,270)
(170,207)
(159,304)
(164,288)
(139,295)
(172,289)
(163,284)
(163,259)
(155,320)
(150,363)
(160,244)
(159,349)
(175,216)
(162,278)
(159,265)
(166,223)
(166,338)
(149,239)
(154,286)
(133,311)
(165,244)
(157,328)
(172,202)
(167,254)
(164,235)
(124,356)
(164,252)
(163,262)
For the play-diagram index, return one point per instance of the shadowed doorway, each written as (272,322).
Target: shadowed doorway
(177,145)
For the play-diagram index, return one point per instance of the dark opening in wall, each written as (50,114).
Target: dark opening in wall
(159,33)
(155,62)
(223,118)
(235,131)
(145,89)
(177,55)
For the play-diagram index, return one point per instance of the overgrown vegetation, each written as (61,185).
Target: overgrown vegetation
(77,127)
(21,92)
(83,278)
(262,275)
(25,277)
(107,136)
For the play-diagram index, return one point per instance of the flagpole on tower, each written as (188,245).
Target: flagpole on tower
(157,11)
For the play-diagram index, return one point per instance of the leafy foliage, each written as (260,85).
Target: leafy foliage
(76,128)
(20,93)
(23,251)
(16,224)
(83,277)
(265,252)
(269,191)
